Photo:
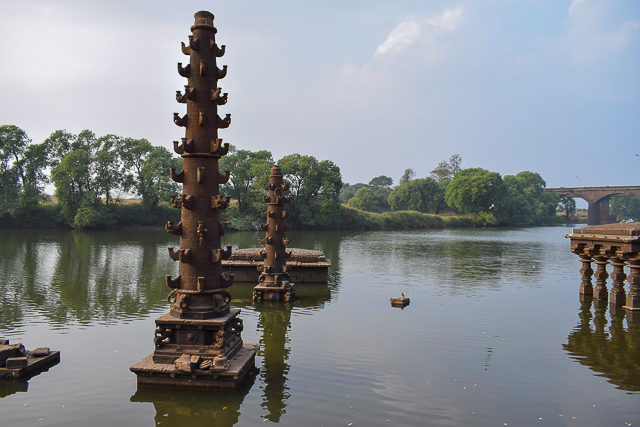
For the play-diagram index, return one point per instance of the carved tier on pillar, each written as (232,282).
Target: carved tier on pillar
(614,244)
(198,344)
(274,282)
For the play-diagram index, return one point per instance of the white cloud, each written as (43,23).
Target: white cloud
(425,30)
(574,4)
(586,40)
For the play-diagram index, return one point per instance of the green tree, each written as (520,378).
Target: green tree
(108,167)
(13,142)
(156,183)
(422,195)
(350,191)
(314,189)
(545,212)
(475,191)
(22,166)
(249,171)
(568,206)
(516,208)
(625,208)
(446,170)
(59,144)
(527,202)
(381,200)
(146,171)
(36,162)
(72,180)
(363,200)
(407,176)
(381,182)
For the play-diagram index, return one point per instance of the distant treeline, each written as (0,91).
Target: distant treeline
(95,178)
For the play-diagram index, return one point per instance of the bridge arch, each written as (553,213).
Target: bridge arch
(598,200)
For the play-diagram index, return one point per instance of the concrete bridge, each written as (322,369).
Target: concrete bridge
(598,199)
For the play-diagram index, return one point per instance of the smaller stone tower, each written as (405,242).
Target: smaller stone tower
(274,279)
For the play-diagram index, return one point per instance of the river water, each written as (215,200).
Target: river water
(496,334)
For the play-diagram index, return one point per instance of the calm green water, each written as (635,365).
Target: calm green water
(495,335)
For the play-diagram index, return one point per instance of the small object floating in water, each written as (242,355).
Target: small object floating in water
(400,302)
(16,362)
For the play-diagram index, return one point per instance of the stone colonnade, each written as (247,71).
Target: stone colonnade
(617,245)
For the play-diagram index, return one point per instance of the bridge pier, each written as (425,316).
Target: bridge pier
(593,213)
(598,212)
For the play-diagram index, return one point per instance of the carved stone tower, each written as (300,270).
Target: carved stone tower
(274,279)
(198,343)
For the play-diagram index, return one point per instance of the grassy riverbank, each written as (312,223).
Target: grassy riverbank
(134,215)
(353,219)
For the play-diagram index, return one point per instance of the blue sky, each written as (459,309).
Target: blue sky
(376,86)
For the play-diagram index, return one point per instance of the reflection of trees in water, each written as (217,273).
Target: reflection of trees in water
(455,260)
(87,277)
(613,351)
(274,323)
(195,408)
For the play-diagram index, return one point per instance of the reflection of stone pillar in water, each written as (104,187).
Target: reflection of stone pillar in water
(274,280)
(192,408)
(274,322)
(600,318)
(199,343)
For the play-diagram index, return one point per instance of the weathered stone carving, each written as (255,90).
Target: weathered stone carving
(16,361)
(198,343)
(274,282)
(615,244)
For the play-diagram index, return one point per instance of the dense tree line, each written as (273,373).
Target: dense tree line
(625,208)
(90,175)
(487,197)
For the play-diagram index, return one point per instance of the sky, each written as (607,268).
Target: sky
(376,86)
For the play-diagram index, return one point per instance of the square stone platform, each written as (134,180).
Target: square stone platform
(154,374)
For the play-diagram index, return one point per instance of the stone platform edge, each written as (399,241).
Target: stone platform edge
(152,374)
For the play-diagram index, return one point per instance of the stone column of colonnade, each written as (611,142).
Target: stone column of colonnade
(617,245)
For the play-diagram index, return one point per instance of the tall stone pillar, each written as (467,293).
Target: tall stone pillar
(273,282)
(198,344)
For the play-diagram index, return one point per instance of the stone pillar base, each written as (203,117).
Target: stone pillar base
(617,297)
(230,376)
(601,293)
(284,292)
(632,303)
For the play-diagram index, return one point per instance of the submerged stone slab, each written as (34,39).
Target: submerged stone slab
(400,302)
(284,291)
(16,362)
(9,351)
(304,265)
